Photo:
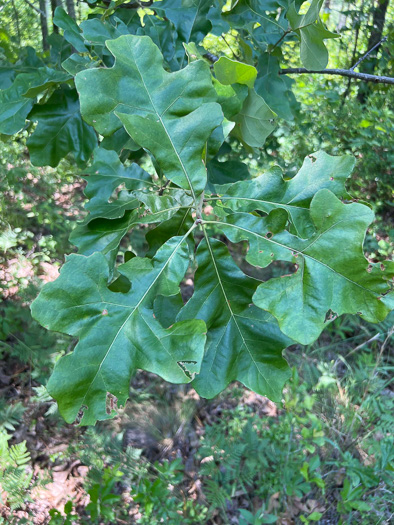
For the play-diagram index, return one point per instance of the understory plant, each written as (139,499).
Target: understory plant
(161,115)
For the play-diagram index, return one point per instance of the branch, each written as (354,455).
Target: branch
(341,72)
(133,5)
(36,9)
(281,38)
(212,58)
(368,53)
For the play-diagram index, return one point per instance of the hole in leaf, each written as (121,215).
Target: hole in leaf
(313,159)
(120,285)
(330,316)
(79,417)
(187,369)
(269,235)
(110,403)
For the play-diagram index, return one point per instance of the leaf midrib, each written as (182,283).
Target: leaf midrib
(231,311)
(165,129)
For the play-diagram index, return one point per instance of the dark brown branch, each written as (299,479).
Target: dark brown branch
(341,72)
(212,58)
(281,38)
(368,53)
(132,5)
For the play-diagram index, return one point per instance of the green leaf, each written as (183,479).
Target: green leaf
(119,141)
(15,103)
(243,343)
(255,121)
(164,36)
(297,21)
(104,235)
(332,274)
(231,98)
(232,72)
(192,52)
(60,131)
(76,63)
(311,31)
(125,201)
(219,25)
(246,13)
(42,79)
(72,32)
(96,31)
(227,172)
(274,88)
(178,224)
(60,49)
(255,118)
(270,191)
(188,16)
(261,233)
(313,52)
(361,506)
(107,173)
(14,107)
(170,114)
(117,332)
(269,518)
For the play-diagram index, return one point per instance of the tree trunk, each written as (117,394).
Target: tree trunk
(70,8)
(44,25)
(368,66)
(18,30)
(54,5)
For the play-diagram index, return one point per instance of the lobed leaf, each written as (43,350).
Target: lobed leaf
(243,343)
(270,190)
(60,131)
(117,332)
(332,274)
(170,114)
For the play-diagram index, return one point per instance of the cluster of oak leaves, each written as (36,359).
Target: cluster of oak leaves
(233,327)
(131,316)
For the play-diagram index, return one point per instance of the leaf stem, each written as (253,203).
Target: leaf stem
(199,206)
(281,38)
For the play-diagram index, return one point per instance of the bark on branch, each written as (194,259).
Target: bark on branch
(126,5)
(341,72)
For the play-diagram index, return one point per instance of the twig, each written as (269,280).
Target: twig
(36,8)
(230,48)
(133,5)
(281,38)
(212,58)
(161,191)
(341,72)
(374,338)
(368,53)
